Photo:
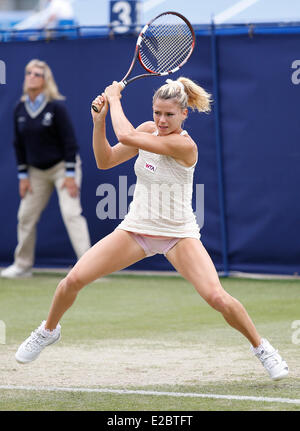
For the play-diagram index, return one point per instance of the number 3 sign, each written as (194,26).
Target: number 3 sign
(124,15)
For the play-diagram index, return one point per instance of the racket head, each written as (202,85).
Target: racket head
(165,43)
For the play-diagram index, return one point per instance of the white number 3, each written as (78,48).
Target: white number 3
(123,9)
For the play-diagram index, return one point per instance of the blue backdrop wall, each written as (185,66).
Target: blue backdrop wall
(253,225)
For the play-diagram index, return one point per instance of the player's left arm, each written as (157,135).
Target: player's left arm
(120,123)
(174,145)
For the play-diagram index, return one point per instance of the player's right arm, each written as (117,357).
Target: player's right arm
(107,156)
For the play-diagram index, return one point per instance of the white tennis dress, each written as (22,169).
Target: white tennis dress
(162,199)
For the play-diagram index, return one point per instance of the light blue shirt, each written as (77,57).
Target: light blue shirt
(36,103)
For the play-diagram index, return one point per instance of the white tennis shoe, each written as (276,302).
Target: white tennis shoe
(271,360)
(13,271)
(30,349)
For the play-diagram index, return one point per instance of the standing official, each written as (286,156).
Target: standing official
(47,157)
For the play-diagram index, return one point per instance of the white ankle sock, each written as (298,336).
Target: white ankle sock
(259,349)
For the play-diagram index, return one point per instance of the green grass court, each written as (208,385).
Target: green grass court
(148,333)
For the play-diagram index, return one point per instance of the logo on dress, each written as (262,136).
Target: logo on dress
(150,167)
(47,120)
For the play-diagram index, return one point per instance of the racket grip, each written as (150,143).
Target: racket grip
(123,83)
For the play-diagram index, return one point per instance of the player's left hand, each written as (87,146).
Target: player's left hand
(71,186)
(114,90)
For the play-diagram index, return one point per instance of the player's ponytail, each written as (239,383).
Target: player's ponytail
(187,93)
(198,98)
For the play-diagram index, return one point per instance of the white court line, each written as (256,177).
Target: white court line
(154,393)
(233,10)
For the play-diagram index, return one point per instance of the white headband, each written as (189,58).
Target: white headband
(170,81)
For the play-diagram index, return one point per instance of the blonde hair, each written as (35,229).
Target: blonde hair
(187,93)
(50,88)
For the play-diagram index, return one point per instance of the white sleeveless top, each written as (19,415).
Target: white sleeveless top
(162,199)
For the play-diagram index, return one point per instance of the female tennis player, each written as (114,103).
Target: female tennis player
(160,219)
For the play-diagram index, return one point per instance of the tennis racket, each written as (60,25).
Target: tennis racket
(163,46)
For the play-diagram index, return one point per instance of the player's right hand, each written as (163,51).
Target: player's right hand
(101,103)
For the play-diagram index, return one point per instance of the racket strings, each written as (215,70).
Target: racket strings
(166,46)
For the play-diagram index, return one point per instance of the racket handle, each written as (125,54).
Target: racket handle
(123,83)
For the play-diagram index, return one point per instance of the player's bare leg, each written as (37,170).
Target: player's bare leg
(192,261)
(114,252)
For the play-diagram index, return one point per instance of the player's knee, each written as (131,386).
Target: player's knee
(73,282)
(219,300)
